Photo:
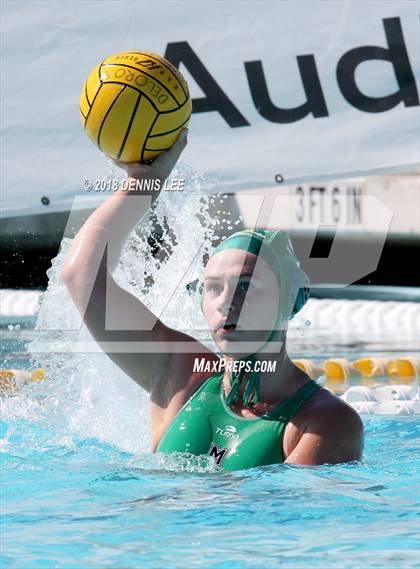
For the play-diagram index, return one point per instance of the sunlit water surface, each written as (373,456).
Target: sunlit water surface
(80,488)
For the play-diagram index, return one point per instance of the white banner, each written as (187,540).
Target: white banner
(302,90)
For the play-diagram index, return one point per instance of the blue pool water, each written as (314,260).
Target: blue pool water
(80,489)
(77,503)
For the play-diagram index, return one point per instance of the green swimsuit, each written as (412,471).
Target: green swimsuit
(206,425)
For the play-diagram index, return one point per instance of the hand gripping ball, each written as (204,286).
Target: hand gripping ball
(134,104)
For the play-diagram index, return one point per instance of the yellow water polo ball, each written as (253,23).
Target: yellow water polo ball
(134,104)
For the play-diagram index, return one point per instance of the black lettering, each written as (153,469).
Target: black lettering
(312,202)
(315,102)
(356,214)
(300,213)
(149,64)
(321,191)
(335,205)
(397,55)
(217,453)
(215,99)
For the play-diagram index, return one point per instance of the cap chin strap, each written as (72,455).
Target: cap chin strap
(252,389)
(251,393)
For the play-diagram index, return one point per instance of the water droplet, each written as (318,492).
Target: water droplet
(10,327)
(307,323)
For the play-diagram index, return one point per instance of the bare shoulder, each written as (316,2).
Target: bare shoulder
(326,409)
(326,429)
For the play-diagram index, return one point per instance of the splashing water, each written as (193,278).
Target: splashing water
(81,488)
(86,394)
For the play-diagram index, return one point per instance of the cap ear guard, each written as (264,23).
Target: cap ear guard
(301,299)
(293,281)
(299,282)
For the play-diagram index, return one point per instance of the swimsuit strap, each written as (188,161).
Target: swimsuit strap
(286,409)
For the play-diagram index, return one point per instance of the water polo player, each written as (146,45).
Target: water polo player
(251,407)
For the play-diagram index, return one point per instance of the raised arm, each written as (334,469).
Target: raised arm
(115,318)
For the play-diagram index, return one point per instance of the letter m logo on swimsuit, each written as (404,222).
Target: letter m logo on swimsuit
(217,453)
